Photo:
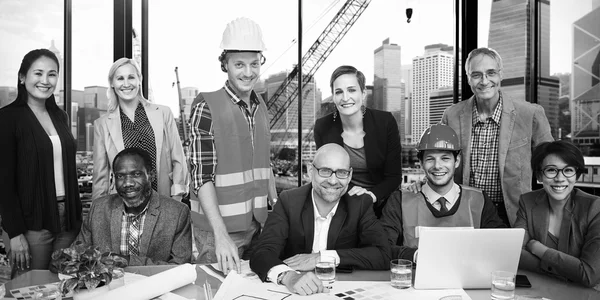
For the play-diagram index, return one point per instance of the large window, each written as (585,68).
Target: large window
(24,27)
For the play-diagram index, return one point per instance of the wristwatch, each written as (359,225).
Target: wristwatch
(280,277)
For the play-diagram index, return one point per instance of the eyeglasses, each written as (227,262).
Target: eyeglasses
(327,172)
(489,74)
(552,172)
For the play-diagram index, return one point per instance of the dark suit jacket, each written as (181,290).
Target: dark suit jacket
(578,255)
(354,232)
(167,235)
(382,148)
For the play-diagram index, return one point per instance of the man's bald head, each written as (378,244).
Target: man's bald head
(328,159)
(332,151)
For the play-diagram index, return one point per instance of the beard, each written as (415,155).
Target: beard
(328,195)
(139,199)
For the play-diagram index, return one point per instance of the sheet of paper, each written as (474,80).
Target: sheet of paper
(249,286)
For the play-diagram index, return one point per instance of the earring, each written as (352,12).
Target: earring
(364,110)
(335,112)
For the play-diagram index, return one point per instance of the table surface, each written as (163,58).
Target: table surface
(542,285)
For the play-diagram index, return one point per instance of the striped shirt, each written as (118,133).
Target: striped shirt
(485,170)
(127,221)
(202,153)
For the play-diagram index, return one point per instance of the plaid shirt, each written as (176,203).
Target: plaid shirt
(202,154)
(485,170)
(126,221)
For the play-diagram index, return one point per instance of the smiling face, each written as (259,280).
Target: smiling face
(439,169)
(330,189)
(558,188)
(126,83)
(132,181)
(487,87)
(243,70)
(347,95)
(41,79)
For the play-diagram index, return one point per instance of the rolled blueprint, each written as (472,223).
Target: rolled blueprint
(153,286)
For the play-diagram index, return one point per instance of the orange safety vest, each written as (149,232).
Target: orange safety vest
(243,167)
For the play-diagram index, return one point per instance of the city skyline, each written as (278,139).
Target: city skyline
(182,44)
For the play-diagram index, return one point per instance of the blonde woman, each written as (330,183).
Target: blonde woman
(132,121)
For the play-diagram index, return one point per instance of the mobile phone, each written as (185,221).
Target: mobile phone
(522,281)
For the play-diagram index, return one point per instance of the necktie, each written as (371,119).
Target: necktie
(134,234)
(443,208)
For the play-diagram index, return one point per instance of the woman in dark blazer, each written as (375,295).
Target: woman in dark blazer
(39,194)
(370,136)
(562,223)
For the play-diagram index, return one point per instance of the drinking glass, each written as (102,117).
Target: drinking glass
(325,270)
(503,285)
(401,273)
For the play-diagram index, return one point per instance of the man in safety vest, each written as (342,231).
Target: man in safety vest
(229,154)
(441,202)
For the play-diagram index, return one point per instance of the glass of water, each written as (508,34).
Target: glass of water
(401,273)
(503,285)
(325,270)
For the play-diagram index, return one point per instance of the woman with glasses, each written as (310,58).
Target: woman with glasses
(562,223)
(369,136)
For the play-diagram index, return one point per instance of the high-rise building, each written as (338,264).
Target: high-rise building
(59,84)
(510,24)
(188,94)
(8,94)
(285,133)
(431,71)
(439,100)
(387,90)
(407,90)
(585,79)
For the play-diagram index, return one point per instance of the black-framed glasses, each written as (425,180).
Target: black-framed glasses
(489,74)
(327,172)
(552,172)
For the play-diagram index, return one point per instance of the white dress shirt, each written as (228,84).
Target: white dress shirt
(432,196)
(321,232)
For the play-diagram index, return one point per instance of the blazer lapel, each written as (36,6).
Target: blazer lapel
(336,224)
(156,121)
(540,223)
(370,139)
(114,129)
(308,222)
(116,218)
(466,123)
(507,123)
(565,226)
(149,223)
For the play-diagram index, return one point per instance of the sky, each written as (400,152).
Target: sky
(187,33)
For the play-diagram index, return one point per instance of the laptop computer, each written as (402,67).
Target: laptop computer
(464,258)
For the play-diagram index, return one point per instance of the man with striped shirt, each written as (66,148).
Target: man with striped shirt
(497,135)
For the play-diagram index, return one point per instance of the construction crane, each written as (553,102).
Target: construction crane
(287,92)
(182,111)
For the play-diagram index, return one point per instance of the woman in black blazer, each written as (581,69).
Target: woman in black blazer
(39,202)
(370,136)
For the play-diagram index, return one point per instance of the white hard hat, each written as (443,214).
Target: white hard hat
(243,34)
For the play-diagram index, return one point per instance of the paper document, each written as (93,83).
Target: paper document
(248,286)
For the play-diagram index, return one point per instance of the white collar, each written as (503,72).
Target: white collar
(316,210)
(432,196)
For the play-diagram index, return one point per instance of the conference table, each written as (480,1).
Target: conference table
(542,285)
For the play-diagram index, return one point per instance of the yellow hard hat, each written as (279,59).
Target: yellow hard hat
(439,137)
(243,34)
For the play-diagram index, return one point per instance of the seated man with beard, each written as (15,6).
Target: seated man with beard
(320,219)
(137,223)
(441,202)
